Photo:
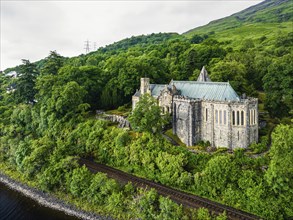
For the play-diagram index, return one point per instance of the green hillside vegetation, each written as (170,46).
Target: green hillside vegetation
(260,24)
(138,41)
(267,12)
(47,119)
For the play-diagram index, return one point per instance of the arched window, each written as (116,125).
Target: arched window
(238,118)
(225,120)
(216,115)
(220,116)
(254,116)
(233,117)
(242,117)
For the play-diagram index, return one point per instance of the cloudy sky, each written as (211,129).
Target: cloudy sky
(30,29)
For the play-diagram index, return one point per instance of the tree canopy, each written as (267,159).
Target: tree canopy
(147,117)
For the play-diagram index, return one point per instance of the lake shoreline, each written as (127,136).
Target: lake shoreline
(48,200)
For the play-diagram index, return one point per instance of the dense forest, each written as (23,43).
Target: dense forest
(47,120)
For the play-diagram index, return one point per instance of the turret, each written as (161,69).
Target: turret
(144,85)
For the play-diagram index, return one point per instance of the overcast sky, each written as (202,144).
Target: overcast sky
(31,29)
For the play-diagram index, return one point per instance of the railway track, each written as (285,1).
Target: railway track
(180,197)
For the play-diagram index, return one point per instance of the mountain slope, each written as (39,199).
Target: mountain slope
(268,19)
(269,11)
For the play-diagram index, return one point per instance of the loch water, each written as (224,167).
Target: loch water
(15,206)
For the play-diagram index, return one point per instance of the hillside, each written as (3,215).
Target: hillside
(267,18)
(269,11)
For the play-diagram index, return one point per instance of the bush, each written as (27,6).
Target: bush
(260,147)
(122,139)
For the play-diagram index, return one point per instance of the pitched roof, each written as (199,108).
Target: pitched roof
(219,91)
(156,89)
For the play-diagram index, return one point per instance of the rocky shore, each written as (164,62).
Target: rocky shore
(48,200)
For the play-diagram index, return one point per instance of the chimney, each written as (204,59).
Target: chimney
(144,85)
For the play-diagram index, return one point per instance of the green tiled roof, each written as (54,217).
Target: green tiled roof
(219,91)
(156,89)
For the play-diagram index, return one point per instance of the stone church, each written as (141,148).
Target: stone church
(206,110)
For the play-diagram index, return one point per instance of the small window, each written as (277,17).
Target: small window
(220,116)
(225,117)
(216,114)
(238,118)
(233,117)
(206,114)
(242,117)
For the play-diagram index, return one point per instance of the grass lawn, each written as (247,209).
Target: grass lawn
(170,134)
(122,111)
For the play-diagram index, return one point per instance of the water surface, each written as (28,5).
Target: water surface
(15,206)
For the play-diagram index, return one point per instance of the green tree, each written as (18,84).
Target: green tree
(94,194)
(67,99)
(218,173)
(146,206)
(169,209)
(231,71)
(88,77)
(278,84)
(171,166)
(147,116)
(25,83)
(52,63)
(280,172)
(54,176)
(79,181)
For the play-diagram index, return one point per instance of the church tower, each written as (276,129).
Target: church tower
(203,76)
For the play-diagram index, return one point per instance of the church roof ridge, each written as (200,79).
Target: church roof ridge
(158,84)
(200,82)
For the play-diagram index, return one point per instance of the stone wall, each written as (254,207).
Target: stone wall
(186,119)
(222,123)
(181,119)
(166,100)
(122,122)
